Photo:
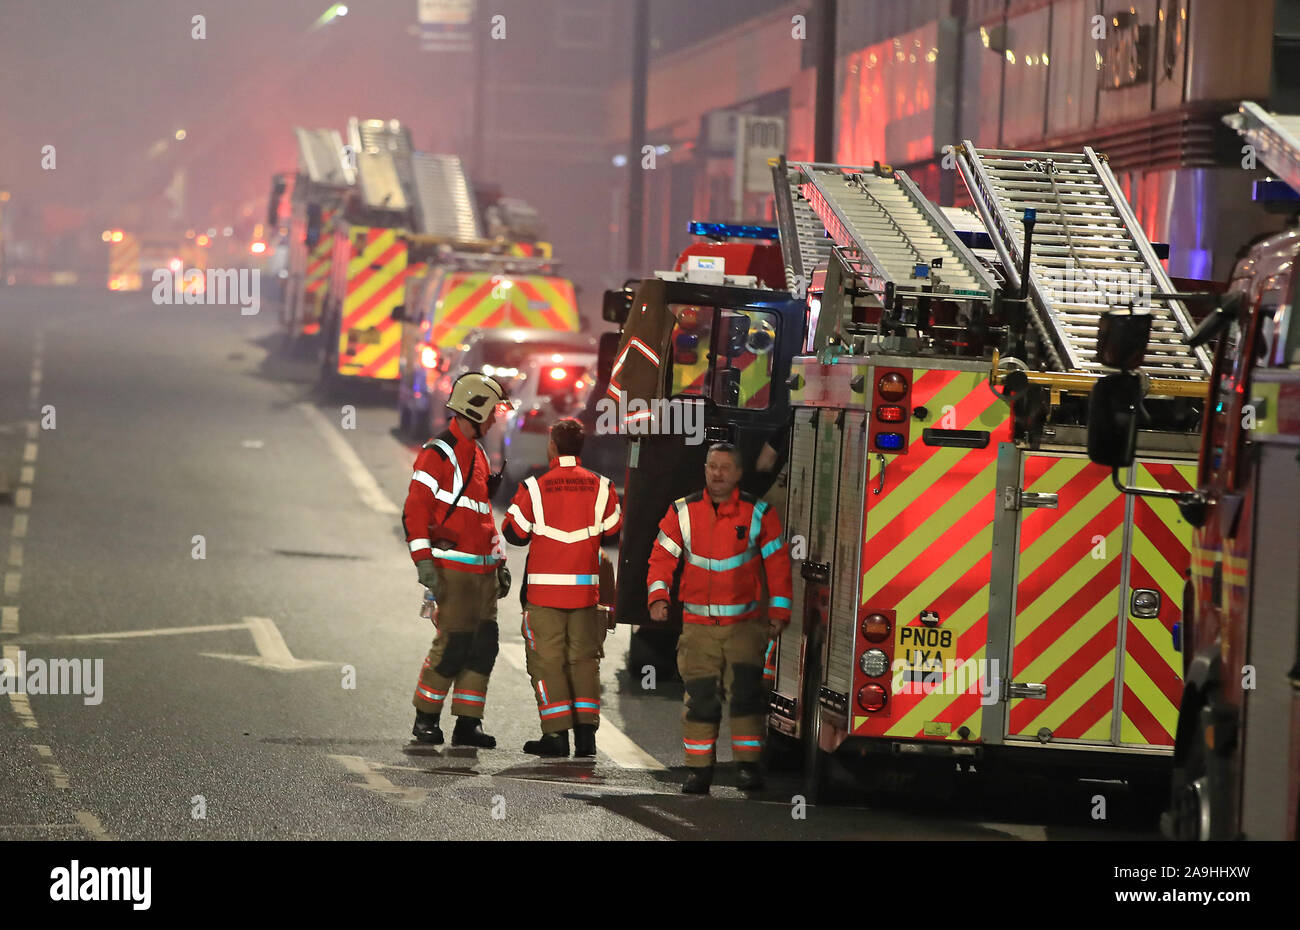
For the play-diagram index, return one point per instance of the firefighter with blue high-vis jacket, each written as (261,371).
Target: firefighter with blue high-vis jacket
(728,543)
(459,558)
(564,517)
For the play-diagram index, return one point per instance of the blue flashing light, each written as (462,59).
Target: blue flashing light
(1271,190)
(889,442)
(731,231)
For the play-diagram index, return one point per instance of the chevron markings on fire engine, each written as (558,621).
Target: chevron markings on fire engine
(945,504)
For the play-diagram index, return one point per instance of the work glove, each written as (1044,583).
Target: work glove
(503,580)
(428,576)
(494,481)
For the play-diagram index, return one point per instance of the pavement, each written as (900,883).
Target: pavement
(181,507)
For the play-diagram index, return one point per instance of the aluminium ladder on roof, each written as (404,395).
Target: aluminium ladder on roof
(383,151)
(804,245)
(444,201)
(320,158)
(1275,137)
(1087,248)
(888,227)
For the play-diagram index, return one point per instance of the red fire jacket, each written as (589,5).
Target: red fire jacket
(564,516)
(464,540)
(723,549)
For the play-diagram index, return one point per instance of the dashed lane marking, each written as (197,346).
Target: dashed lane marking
(371,494)
(13,583)
(8,620)
(23,498)
(20,526)
(22,707)
(90,823)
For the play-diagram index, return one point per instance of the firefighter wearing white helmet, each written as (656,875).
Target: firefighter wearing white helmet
(459,558)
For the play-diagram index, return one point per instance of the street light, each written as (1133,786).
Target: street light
(331,14)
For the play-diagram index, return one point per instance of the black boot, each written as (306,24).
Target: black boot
(469,732)
(426,729)
(551,744)
(749,776)
(698,781)
(584,739)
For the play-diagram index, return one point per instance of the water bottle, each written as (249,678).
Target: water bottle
(429,607)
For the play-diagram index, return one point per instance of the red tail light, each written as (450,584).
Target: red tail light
(872,698)
(889,413)
(558,374)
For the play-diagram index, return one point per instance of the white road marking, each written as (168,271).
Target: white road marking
(32,428)
(8,620)
(23,498)
(1022,831)
(164,631)
(90,823)
(20,526)
(610,740)
(22,707)
(273,651)
(29,452)
(13,582)
(371,494)
(373,781)
(28,475)
(51,766)
(252,443)
(16,555)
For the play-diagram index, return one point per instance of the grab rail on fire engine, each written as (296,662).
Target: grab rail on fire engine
(1077,383)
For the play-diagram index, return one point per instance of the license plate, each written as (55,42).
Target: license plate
(922,653)
(366,337)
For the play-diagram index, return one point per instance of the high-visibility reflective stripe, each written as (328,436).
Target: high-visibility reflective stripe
(555,711)
(645,350)
(539,527)
(721,565)
(612,519)
(724,610)
(589,706)
(771,547)
(746,743)
(519,518)
(467,558)
(528,631)
(456,480)
(602,498)
(426,479)
(418,544)
(541,690)
(429,694)
(563,579)
(781,602)
(756,523)
(671,547)
(683,523)
(476,506)
(699,747)
(658,586)
(463,698)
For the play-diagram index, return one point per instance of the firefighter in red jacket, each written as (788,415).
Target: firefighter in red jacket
(456,550)
(564,517)
(723,536)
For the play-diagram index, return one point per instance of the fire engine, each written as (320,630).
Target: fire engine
(1237,752)
(968,586)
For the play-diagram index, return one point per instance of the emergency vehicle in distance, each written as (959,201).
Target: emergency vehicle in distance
(1237,754)
(968,587)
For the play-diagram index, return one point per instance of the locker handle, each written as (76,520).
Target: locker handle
(959,438)
(881,485)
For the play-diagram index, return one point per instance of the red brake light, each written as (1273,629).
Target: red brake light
(892,387)
(876,628)
(872,697)
(889,414)
(558,374)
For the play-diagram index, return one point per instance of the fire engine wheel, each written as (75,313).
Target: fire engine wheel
(1192,799)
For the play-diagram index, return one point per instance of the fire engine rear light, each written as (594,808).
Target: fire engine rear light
(557,374)
(428,356)
(889,414)
(873,663)
(872,697)
(876,628)
(892,386)
(889,442)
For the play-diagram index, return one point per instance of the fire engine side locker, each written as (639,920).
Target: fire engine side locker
(1097,582)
